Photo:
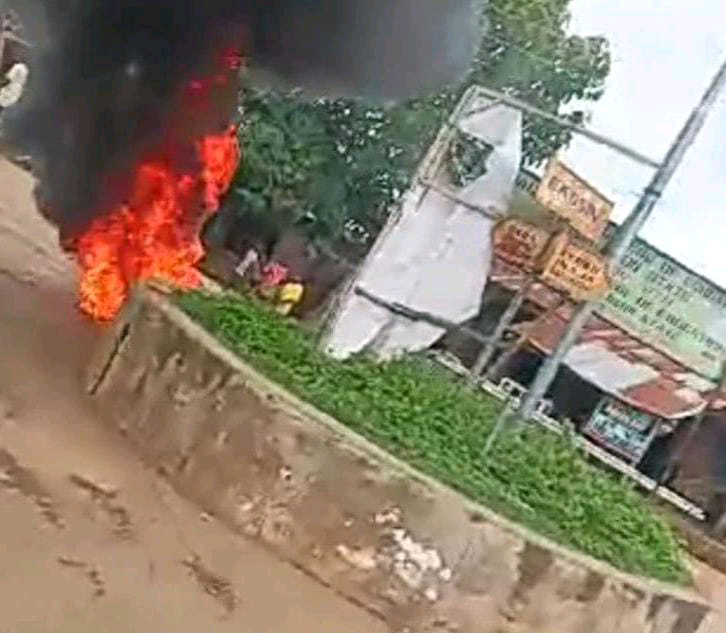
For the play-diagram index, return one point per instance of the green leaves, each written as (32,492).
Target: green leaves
(467,159)
(529,52)
(419,413)
(285,144)
(342,163)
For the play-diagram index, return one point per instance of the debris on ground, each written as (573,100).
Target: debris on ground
(90,572)
(216,586)
(104,496)
(14,477)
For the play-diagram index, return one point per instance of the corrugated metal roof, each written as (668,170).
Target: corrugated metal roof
(619,365)
(615,361)
(602,366)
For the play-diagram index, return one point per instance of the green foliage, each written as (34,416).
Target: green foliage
(290,170)
(467,160)
(528,52)
(342,163)
(416,411)
(327,165)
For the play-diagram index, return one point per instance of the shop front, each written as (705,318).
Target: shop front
(624,430)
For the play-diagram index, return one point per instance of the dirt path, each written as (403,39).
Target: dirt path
(90,540)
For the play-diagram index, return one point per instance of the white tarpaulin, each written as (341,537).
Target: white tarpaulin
(436,257)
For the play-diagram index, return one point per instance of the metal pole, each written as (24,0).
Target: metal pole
(625,235)
(720,527)
(499,424)
(3,24)
(418,315)
(504,322)
(518,104)
(450,194)
(500,365)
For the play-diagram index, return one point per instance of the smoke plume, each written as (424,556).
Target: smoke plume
(108,76)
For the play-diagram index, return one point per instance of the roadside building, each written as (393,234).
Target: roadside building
(642,370)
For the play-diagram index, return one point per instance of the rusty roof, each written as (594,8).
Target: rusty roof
(613,360)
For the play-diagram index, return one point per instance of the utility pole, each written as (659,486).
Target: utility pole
(624,236)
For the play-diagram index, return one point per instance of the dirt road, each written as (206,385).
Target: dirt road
(91,541)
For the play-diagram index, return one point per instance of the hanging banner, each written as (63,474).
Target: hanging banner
(573,199)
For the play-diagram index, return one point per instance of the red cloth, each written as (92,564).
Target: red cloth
(273,274)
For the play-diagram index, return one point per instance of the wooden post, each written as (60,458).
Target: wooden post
(651,437)
(496,368)
(503,324)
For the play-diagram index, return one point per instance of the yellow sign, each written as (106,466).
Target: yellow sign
(519,243)
(570,197)
(574,270)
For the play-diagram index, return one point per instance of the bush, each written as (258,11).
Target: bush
(420,414)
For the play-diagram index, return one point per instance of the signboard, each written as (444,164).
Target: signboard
(562,264)
(662,303)
(519,243)
(624,430)
(574,270)
(570,197)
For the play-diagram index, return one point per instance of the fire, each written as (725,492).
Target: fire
(155,235)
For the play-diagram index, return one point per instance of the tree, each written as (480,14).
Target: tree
(290,172)
(527,51)
(381,149)
(342,163)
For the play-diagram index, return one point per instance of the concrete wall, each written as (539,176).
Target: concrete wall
(396,543)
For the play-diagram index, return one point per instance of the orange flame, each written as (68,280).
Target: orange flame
(156,234)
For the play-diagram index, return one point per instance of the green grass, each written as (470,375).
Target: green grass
(420,414)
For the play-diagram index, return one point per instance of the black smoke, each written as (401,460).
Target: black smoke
(107,75)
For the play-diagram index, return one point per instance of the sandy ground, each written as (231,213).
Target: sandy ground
(90,540)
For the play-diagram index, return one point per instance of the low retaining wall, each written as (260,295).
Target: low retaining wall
(388,538)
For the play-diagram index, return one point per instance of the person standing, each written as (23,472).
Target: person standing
(273,274)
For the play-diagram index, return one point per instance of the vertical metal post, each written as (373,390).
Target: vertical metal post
(2,38)
(504,415)
(524,335)
(625,235)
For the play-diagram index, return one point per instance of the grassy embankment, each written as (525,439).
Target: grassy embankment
(420,414)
